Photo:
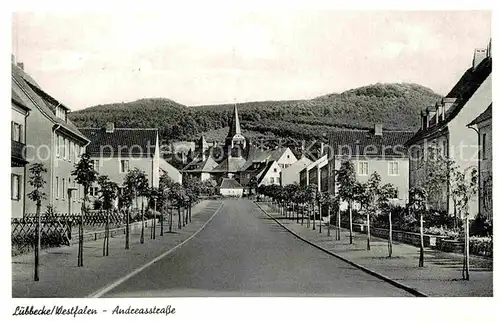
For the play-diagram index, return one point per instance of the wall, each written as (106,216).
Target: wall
(287,159)
(485,165)
(18,115)
(290,175)
(272,176)
(172,172)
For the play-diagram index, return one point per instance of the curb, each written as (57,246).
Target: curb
(364,269)
(99,293)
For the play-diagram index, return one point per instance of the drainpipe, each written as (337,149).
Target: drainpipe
(25,170)
(478,169)
(52,164)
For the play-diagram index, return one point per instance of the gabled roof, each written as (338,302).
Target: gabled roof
(486,115)
(230,165)
(260,155)
(121,142)
(366,143)
(43,101)
(198,165)
(463,90)
(229,183)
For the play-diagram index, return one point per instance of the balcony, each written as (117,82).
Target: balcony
(18,158)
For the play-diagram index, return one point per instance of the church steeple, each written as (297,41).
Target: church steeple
(235,124)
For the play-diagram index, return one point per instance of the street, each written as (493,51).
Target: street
(242,252)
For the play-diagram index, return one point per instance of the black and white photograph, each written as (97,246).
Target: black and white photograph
(239,153)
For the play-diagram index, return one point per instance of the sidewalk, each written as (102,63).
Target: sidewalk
(440,276)
(60,276)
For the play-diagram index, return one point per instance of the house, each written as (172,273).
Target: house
(375,150)
(237,158)
(52,140)
(444,126)
(290,175)
(229,187)
(18,162)
(115,151)
(483,127)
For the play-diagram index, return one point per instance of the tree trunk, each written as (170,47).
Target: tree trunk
(308,211)
(338,223)
(421,257)
(390,233)
(320,216)
(314,215)
(302,213)
(142,218)
(190,211)
(367,230)
(80,231)
(38,241)
(127,229)
(350,222)
(329,220)
(180,217)
(465,270)
(154,219)
(171,220)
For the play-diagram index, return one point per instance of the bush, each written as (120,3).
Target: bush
(481,246)
(441,219)
(481,227)
(97,204)
(441,231)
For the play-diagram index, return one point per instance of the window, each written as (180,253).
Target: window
(60,146)
(63,192)
(275,170)
(483,147)
(57,187)
(393,168)
(17,130)
(363,168)
(95,164)
(71,151)
(15,187)
(271,179)
(124,166)
(66,149)
(61,113)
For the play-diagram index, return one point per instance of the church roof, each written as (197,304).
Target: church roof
(230,165)
(235,127)
(229,183)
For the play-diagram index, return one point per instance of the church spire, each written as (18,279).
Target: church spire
(235,124)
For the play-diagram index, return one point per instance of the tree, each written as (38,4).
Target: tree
(463,189)
(108,192)
(137,182)
(291,195)
(346,178)
(85,175)
(385,194)
(418,204)
(37,181)
(124,203)
(193,189)
(310,198)
(164,188)
(367,195)
(177,195)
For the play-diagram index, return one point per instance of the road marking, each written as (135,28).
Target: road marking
(113,285)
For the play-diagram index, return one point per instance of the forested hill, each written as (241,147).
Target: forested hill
(397,106)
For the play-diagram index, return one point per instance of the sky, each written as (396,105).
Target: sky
(200,57)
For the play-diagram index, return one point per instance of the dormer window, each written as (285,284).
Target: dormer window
(61,112)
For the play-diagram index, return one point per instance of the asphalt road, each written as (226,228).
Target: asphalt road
(242,252)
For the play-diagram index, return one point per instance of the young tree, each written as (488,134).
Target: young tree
(85,175)
(166,184)
(418,204)
(193,189)
(108,192)
(346,178)
(387,193)
(367,195)
(37,181)
(463,189)
(124,203)
(177,195)
(137,182)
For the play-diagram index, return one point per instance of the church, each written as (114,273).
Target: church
(237,160)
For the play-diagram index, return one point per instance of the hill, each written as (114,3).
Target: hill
(397,106)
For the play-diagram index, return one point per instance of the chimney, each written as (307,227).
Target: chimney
(488,53)
(110,127)
(378,129)
(321,149)
(479,55)
(20,65)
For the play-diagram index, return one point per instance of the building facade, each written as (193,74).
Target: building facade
(482,125)
(444,127)
(52,140)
